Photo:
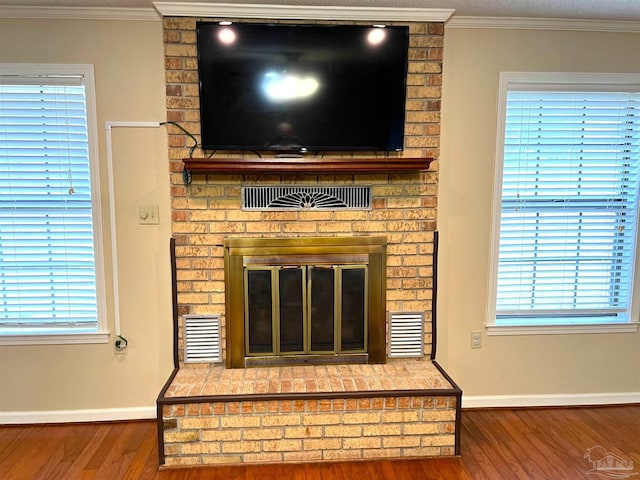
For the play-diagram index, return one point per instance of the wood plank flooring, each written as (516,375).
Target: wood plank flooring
(520,444)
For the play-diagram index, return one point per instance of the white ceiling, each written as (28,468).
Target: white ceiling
(566,9)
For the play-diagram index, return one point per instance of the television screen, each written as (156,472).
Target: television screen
(299,88)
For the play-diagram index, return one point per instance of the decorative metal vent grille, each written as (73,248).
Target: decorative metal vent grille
(406,337)
(295,197)
(202,339)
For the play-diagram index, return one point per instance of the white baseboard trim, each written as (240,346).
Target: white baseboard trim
(561,400)
(74,416)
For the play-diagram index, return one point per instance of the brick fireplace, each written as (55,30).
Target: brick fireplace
(214,414)
(404,204)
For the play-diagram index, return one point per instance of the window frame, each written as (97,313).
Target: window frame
(52,336)
(553,81)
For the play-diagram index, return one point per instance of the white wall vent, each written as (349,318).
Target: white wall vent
(202,339)
(406,334)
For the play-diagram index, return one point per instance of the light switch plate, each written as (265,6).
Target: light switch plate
(476,339)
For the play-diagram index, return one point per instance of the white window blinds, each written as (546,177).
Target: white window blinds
(568,225)
(47,263)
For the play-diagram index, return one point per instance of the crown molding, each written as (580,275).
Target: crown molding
(302,12)
(220,10)
(525,23)
(80,13)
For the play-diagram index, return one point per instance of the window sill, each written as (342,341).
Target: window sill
(54,338)
(626,327)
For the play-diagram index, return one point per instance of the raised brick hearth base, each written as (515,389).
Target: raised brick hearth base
(213,415)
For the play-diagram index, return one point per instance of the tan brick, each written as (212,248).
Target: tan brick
(178,50)
(420,428)
(369,417)
(369,227)
(401,295)
(386,215)
(221,460)
(359,443)
(224,204)
(402,249)
(192,251)
(302,432)
(321,444)
(350,215)
(422,452)
(342,455)
(240,216)
(172,449)
(420,91)
(173,437)
(417,261)
(191,275)
(334,227)
(239,422)
(438,440)
(382,429)
(438,416)
(310,456)
(262,433)
(205,190)
(200,447)
(300,227)
(181,461)
(417,306)
(260,227)
(179,23)
(192,298)
(262,457)
(422,141)
(315,216)
(322,419)
(240,447)
(289,445)
(391,442)
(208,287)
(425,41)
(387,191)
(402,417)
(225,435)
(377,453)
(342,431)
(281,420)
(199,422)
(188,228)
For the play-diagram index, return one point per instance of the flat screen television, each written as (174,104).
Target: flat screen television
(302,88)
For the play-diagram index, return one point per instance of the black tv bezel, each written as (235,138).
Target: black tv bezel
(311,148)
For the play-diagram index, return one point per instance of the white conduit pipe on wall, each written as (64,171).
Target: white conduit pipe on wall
(121,342)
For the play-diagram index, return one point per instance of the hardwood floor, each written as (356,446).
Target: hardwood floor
(496,444)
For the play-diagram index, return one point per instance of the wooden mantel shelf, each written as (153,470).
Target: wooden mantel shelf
(300,165)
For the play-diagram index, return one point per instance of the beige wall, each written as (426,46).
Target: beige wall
(128,60)
(129,70)
(510,365)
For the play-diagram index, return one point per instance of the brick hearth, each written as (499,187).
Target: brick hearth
(213,415)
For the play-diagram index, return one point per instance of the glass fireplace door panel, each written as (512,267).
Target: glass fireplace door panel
(291,301)
(353,309)
(322,311)
(259,311)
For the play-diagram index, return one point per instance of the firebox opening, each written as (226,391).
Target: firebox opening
(305,310)
(305,301)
